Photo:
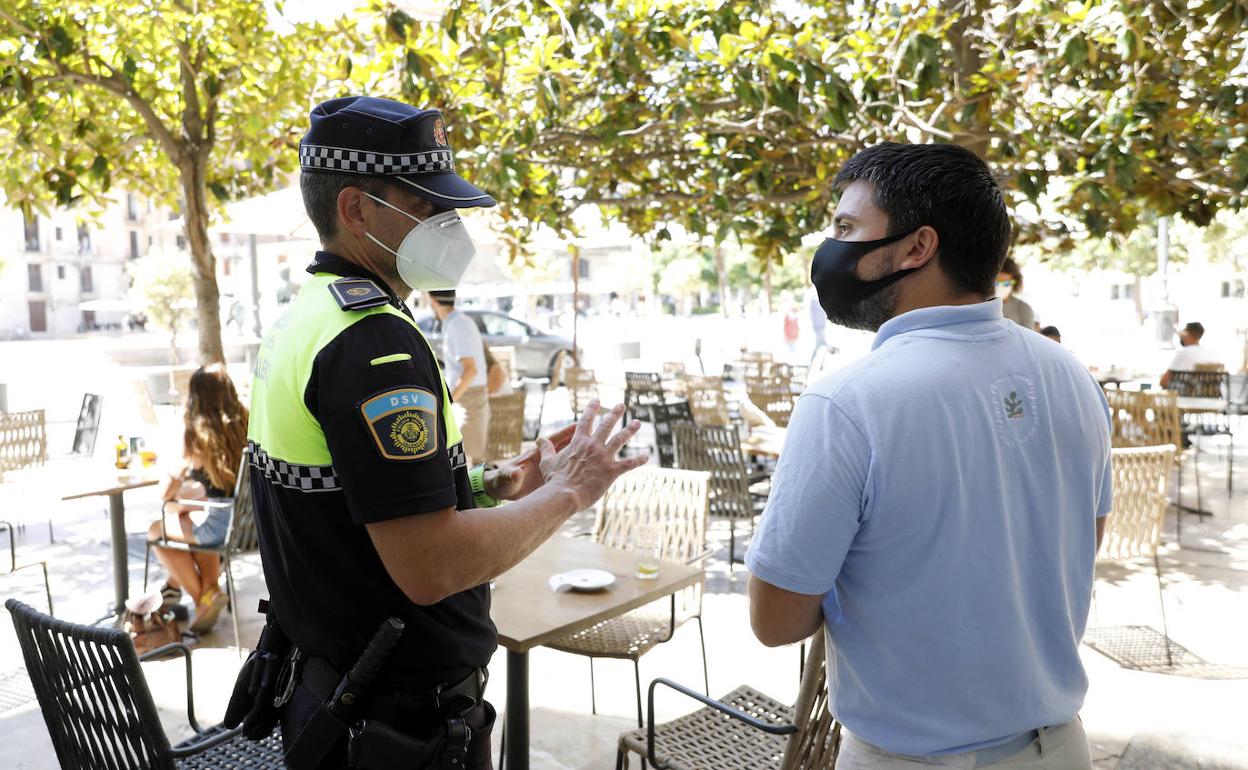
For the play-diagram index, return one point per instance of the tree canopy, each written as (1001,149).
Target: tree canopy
(190,103)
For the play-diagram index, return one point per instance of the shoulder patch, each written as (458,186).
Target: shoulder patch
(403,423)
(358,294)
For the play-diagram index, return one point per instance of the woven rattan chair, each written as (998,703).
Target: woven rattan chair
(708,400)
(100,713)
(506,430)
(23,440)
(663,417)
(1133,527)
(1208,383)
(13,566)
(641,391)
(773,393)
(582,388)
(241,537)
(718,451)
(675,501)
(559,368)
(744,730)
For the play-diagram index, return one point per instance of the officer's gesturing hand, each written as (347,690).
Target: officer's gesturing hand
(515,478)
(589,464)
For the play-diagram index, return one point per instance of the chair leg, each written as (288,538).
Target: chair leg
(147,565)
(229,591)
(801,662)
(47,586)
(1200,506)
(593,695)
(706,677)
(502,747)
(1178,505)
(637,678)
(1230,463)
(620,759)
(732,545)
(1161,600)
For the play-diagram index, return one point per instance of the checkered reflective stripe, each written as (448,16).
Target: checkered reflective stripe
(457,456)
(364,162)
(305,478)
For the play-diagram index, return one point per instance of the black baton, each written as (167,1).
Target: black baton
(347,697)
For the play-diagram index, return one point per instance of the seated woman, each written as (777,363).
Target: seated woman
(213,443)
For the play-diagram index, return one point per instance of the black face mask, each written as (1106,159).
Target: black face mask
(832,273)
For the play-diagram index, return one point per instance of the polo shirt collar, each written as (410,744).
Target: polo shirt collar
(938,316)
(329,262)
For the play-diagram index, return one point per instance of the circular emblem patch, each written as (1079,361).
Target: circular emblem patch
(409,433)
(358,291)
(439,132)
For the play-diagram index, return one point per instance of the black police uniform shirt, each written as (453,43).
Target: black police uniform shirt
(327,582)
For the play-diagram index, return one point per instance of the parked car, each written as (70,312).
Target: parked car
(535,349)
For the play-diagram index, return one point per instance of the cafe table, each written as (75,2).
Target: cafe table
(113,485)
(528,613)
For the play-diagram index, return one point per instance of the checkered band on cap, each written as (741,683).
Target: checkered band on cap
(305,478)
(315,156)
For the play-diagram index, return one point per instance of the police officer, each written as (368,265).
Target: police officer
(365,506)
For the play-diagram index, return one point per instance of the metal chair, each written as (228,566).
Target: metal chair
(505,435)
(733,494)
(641,391)
(773,393)
(43,565)
(662,417)
(99,711)
(744,730)
(582,388)
(1133,527)
(675,502)
(1208,383)
(708,400)
(241,537)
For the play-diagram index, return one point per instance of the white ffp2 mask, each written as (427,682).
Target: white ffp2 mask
(434,254)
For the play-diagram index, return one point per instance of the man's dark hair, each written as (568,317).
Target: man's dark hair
(1195,329)
(320,197)
(948,188)
(443,297)
(1052,332)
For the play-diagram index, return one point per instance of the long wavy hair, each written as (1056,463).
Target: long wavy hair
(216,425)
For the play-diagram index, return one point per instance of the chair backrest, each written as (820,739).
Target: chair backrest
(182,383)
(674,501)
(242,536)
(642,389)
(95,702)
(774,395)
(673,370)
(557,369)
(1144,418)
(818,738)
(717,450)
(1201,384)
(506,429)
(582,388)
(88,426)
(1133,527)
(23,440)
(1210,368)
(505,355)
(708,400)
(663,416)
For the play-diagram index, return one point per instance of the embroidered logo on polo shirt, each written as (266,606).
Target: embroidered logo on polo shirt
(401,422)
(1014,408)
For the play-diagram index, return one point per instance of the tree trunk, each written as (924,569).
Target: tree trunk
(967,61)
(722,274)
(767,287)
(207,295)
(1137,292)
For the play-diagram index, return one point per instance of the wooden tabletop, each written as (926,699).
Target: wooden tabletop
(103,483)
(529,614)
(1194,404)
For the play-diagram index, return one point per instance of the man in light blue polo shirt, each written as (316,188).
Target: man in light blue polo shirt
(938,503)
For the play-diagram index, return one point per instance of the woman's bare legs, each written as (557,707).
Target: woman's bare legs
(183,566)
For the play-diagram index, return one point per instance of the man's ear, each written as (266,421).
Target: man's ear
(351,202)
(924,246)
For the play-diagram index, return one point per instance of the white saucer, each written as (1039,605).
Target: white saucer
(587,579)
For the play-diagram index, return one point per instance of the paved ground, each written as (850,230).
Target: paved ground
(1136,718)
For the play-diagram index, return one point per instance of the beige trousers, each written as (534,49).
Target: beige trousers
(476,423)
(1061,747)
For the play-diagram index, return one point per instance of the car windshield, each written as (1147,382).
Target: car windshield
(501,326)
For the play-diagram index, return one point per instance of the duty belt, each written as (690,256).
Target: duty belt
(321,679)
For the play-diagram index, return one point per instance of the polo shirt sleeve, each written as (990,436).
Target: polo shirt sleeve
(1105,502)
(377,393)
(816,502)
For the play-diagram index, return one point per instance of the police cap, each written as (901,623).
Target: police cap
(382,137)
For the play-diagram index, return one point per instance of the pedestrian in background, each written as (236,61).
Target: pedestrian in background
(1009,286)
(467,374)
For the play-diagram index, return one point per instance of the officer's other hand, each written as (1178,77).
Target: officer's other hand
(522,474)
(589,464)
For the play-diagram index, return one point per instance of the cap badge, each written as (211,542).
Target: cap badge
(439,133)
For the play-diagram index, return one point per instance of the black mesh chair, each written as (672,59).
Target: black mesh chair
(100,713)
(736,493)
(1213,385)
(641,391)
(663,417)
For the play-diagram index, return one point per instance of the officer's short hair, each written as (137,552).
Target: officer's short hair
(320,197)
